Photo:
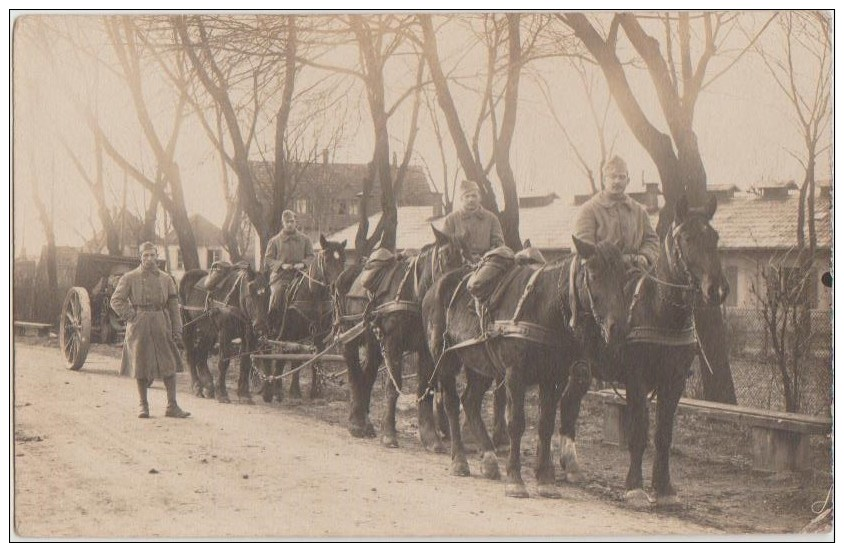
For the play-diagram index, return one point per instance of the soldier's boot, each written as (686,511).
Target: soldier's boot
(143,408)
(173,410)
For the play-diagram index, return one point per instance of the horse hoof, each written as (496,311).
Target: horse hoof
(434,446)
(296,394)
(668,500)
(516,490)
(460,468)
(369,431)
(247,401)
(390,442)
(357,431)
(547,490)
(209,393)
(268,398)
(224,399)
(489,466)
(574,477)
(638,498)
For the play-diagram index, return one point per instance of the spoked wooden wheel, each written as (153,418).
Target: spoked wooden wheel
(75,327)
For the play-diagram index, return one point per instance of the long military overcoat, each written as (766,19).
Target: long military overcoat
(148,302)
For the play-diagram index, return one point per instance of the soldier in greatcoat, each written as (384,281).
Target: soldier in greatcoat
(147,300)
(287,252)
(478,226)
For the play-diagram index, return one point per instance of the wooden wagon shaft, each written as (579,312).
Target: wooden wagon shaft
(292,347)
(291,357)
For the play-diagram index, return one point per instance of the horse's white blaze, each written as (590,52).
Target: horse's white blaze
(336,255)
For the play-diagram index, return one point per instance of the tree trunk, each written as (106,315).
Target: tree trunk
(281,173)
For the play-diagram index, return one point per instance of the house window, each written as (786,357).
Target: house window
(353,209)
(301,206)
(180,263)
(214,255)
(732,278)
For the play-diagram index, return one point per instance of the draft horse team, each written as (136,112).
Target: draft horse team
(620,308)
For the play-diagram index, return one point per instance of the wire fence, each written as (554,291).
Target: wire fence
(756,375)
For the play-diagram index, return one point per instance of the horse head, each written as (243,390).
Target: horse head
(693,250)
(255,299)
(600,282)
(332,259)
(451,252)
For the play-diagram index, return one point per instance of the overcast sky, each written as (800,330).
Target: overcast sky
(744,124)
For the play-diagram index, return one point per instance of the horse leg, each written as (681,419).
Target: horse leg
(668,396)
(427,427)
(637,409)
(206,378)
(244,395)
(473,396)
(222,370)
(359,425)
(393,362)
(316,381)
(548,397)
(576,388)
(459,465)
(499,429)
(515,486)
(440,417)
(295,389)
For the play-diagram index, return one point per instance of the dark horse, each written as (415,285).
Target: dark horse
(394,326)
(234,306)
(307,317)
(663,341)
(527,340)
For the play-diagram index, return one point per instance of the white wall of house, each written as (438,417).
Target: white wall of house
(743,269)
(207,256)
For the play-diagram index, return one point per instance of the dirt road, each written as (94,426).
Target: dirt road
(84,466)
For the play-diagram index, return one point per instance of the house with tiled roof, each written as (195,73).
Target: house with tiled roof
(209,246)
(755,228)
(327,195)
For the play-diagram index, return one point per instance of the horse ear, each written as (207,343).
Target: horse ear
(322,241)
(620,245)
(711,206)
(440,237)
(526,244)
(583,248)
(343,245)
(681,210)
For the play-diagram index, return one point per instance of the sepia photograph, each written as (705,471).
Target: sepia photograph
(421,274)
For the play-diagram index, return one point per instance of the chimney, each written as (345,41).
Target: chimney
(325,156)
(651,197)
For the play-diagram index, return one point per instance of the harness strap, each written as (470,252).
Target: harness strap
(528,289)
(573,269)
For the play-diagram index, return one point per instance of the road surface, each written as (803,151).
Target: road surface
(85,466)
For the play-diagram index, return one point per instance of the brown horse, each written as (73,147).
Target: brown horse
(663,341)
(394,326)
(527,340)
(307,317)
(234,308)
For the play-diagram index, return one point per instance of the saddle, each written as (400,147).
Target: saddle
(376,269)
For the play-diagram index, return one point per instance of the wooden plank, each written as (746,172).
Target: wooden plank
(36,325)
(793,422)
(291,357)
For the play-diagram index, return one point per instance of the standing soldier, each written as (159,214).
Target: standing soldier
(146,299)
(288,251)
(614,216)
(478,226)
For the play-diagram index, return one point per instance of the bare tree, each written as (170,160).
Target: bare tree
(807,45)
(502,97)
(675,154)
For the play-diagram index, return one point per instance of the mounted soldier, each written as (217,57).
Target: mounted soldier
(288,253)
(478,226)
(613,216)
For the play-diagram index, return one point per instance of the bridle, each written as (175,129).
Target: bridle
(577,265)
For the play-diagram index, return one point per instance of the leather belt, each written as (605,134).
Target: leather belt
(149,308)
